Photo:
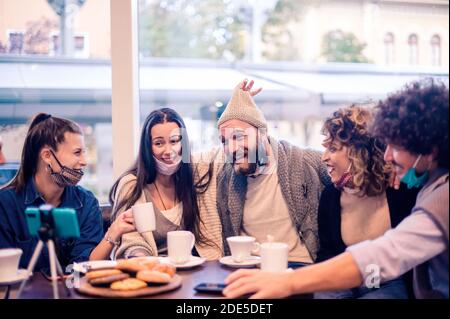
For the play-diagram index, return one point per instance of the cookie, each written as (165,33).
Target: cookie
(106,281)
(102,273)
(154,277)
(128,284)
(166,268)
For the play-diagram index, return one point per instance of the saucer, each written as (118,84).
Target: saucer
(86,266)
(21,275)
(193,262)
(248,263)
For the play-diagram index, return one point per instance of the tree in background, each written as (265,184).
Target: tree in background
(277,33)
(37,36)
(340,46)
(191,29)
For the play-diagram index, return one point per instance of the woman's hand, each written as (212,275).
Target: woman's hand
(248,86)
(123,224)
(261,284)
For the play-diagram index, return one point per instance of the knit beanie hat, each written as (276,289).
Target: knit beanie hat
(242,107)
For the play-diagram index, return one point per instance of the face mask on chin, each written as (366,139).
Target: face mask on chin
(167,169)
(346,180)
(411,179)
(67,176)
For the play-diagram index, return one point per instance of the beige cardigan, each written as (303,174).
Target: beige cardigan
(210,224)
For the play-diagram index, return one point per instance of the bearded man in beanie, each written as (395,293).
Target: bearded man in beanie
(267,187)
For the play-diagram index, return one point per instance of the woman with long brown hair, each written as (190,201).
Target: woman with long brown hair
(163,174)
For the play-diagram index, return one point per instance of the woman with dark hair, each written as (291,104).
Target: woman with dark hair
(162,174)
(359,205)
(53,158)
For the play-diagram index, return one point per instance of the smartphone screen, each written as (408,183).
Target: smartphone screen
(210,288)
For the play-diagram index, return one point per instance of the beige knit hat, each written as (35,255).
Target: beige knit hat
(242,107)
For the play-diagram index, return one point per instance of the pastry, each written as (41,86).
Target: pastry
(150,264)
(102,273)
(154,277)
(130,265)
(107,280)
(128,284)
(166,268)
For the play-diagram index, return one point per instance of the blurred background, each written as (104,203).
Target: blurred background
(310,56)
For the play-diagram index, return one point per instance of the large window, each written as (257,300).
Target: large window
(389,48)
(413,44)
(67,76)
(310,57)
(435,50)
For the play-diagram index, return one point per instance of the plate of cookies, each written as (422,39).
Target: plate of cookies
(131,278)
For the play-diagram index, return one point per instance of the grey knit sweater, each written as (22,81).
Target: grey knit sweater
(302,176)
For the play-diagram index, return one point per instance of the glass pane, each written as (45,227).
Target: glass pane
(58,63)
(311,57)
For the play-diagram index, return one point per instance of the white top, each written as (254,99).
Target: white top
(174,214)
(266,213)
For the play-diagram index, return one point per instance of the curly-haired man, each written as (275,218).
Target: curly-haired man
(414,124)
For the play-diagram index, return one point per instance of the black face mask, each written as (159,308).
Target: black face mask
(67,176)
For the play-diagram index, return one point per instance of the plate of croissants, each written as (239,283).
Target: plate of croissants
(130,278)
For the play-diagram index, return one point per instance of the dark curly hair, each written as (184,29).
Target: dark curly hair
(416,118)
(349,127)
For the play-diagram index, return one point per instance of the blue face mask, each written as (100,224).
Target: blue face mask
(411,180)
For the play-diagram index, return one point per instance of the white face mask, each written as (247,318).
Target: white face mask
(167,169)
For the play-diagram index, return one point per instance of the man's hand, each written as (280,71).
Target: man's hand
(261,284)
(247,86)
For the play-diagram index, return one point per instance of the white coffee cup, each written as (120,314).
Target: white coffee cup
(179,246)
(144,217)
(9,263)
(242,247)
(274,257)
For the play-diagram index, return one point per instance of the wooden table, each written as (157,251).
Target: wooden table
(38,287)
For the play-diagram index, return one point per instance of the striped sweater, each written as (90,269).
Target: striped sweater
(210,224)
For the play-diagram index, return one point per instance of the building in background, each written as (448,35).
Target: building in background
(32,27)
(405,32)
(311,57)
(392,31)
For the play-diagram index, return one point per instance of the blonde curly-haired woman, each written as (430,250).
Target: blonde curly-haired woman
(359,205)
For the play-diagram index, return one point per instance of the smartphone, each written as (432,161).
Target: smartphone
(33,218)
(215,288)
(296,264)
(65,221)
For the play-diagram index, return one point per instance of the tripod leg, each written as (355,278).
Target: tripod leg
(34,258)
(52,257)
(61,273)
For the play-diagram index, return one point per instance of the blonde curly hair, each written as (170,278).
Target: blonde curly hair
(350,127)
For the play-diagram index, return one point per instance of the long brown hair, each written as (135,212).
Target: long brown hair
(44,130)
(144,168)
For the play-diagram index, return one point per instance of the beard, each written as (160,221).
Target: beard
(242,165)
(249,169)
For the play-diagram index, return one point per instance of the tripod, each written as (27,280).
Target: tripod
(46,235)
